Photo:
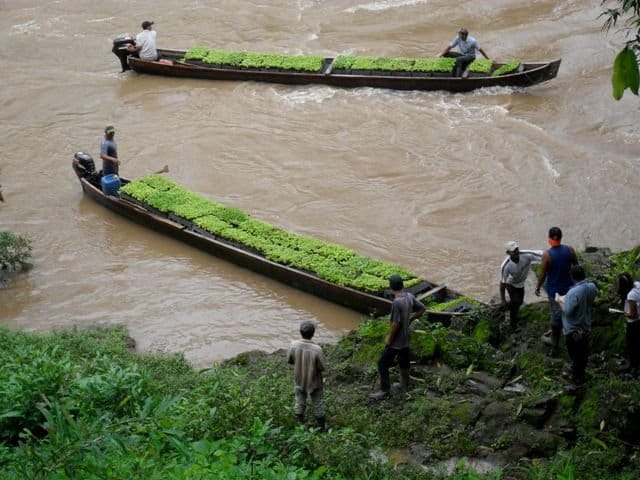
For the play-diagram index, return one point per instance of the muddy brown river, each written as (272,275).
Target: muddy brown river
(436,182)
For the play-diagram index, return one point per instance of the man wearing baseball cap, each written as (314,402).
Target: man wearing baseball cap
(404,309)
(513,274)
(467,46)
(109,152)
(145,45)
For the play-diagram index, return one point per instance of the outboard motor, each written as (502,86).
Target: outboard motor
(83,165)
(120,49)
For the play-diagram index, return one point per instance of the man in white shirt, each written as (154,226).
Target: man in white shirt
(145,45)
(513,274)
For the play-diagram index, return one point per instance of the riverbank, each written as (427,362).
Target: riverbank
(83,404)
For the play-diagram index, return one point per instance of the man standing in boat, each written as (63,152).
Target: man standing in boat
(145,45)
(404,309)
(109,152)
(467,46)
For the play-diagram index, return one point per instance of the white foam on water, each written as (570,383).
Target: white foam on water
(100,20)
(28,27)
(549,167)
(307,95)
(385,5)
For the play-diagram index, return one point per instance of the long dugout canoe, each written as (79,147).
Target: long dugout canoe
(360,301)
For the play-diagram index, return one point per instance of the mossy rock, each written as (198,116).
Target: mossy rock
(424,346)
(612,406)
(482,331)
(457,304)
(459,351)
(533,366)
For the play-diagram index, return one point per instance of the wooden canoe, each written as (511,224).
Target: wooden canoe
(169,65)
(357,300)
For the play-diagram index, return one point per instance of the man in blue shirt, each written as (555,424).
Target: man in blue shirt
(109,152)
(467,46)
(576,321)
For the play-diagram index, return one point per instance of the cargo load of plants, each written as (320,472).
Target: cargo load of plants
(331,262)
(315,63)
(509,67)
(256,60)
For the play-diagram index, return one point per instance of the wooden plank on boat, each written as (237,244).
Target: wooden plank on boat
(446,314)
(433,291)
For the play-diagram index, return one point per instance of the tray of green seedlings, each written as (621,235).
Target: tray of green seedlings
(509,67)
(331,262)
(480,66)
(254,60)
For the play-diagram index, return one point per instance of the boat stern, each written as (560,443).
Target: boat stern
(120,49)
(83,164)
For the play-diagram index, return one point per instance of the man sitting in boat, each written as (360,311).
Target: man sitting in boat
(467,46)
(145,45)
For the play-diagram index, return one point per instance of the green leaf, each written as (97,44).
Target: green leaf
(625,73)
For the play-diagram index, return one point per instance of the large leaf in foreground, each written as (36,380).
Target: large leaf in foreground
(625,73)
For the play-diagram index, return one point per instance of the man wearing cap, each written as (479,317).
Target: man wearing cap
(467,46)
(555,269)
(308,362)
(109,152)
(404,309)
(145,45)
(513,274)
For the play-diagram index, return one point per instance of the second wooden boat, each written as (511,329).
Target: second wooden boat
(432,294)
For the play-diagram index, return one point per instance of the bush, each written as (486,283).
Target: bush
(15,251)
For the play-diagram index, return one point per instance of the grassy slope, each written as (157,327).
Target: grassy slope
(80,404)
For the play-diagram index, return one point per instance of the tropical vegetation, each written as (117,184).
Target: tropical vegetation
(15,251)
(626,74)
(83,404)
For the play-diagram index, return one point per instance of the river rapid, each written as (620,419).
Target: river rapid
(433,181)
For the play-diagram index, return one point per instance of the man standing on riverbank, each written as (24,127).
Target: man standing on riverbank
(308,362)
(513,274)
(576,322)
(404,309)
(555,269)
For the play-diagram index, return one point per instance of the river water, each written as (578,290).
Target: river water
(433,181)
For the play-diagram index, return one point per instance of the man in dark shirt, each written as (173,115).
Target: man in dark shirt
(109,152)
(404,309)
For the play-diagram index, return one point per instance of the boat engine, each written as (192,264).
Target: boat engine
(83,165)
(120,49)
